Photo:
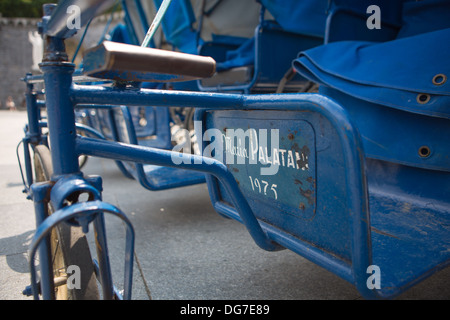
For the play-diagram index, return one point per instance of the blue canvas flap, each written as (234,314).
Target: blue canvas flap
(399,73)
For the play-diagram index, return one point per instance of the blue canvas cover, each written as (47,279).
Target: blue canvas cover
(307,17)
(177,25)
(424,16)
(408,73)
(304,17)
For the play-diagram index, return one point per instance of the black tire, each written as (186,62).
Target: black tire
(69,245)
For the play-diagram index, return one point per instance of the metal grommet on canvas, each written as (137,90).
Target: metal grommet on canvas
(423,98)
(439,79)
(424,152)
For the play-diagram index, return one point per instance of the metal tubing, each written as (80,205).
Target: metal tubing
(61,118)
(39,191)
(355,174)
(356,184)
(103,257)
(84,208)
(82,94)
(115,136)
(28,165)
(68,185)
(80,127)
(63,189)
(34,131)
(33,134)
(133,153)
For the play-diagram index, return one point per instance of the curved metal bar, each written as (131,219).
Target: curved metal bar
(356,180)
(140,154)
(356,184)
(70,212)
(349,135)
(82,127)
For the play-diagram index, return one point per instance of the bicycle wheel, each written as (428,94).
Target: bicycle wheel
(69,246)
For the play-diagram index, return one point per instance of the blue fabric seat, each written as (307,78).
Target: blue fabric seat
(258,64)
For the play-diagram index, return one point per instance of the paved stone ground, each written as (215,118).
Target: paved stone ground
(184,249)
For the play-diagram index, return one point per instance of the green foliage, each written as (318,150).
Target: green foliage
(23,8)
(28,8)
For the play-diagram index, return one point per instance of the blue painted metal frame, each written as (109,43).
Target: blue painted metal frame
(67,178)
(262,233)
(355,181)
(92,210)
(153,178)
(353,151)
(63,96)
(33,134)
(403,182)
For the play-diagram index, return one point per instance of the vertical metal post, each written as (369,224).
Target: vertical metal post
(60,112)
(33,134)
(28,165)
(34,131)
(62,130)
(102,248)
(39,192)
(103,257)
(61,122)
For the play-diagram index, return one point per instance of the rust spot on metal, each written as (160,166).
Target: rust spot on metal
(308,194)
(312,181)
(306,150)
(235,170)
(302,206)
(383,233)
(290,136)
(296,181)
